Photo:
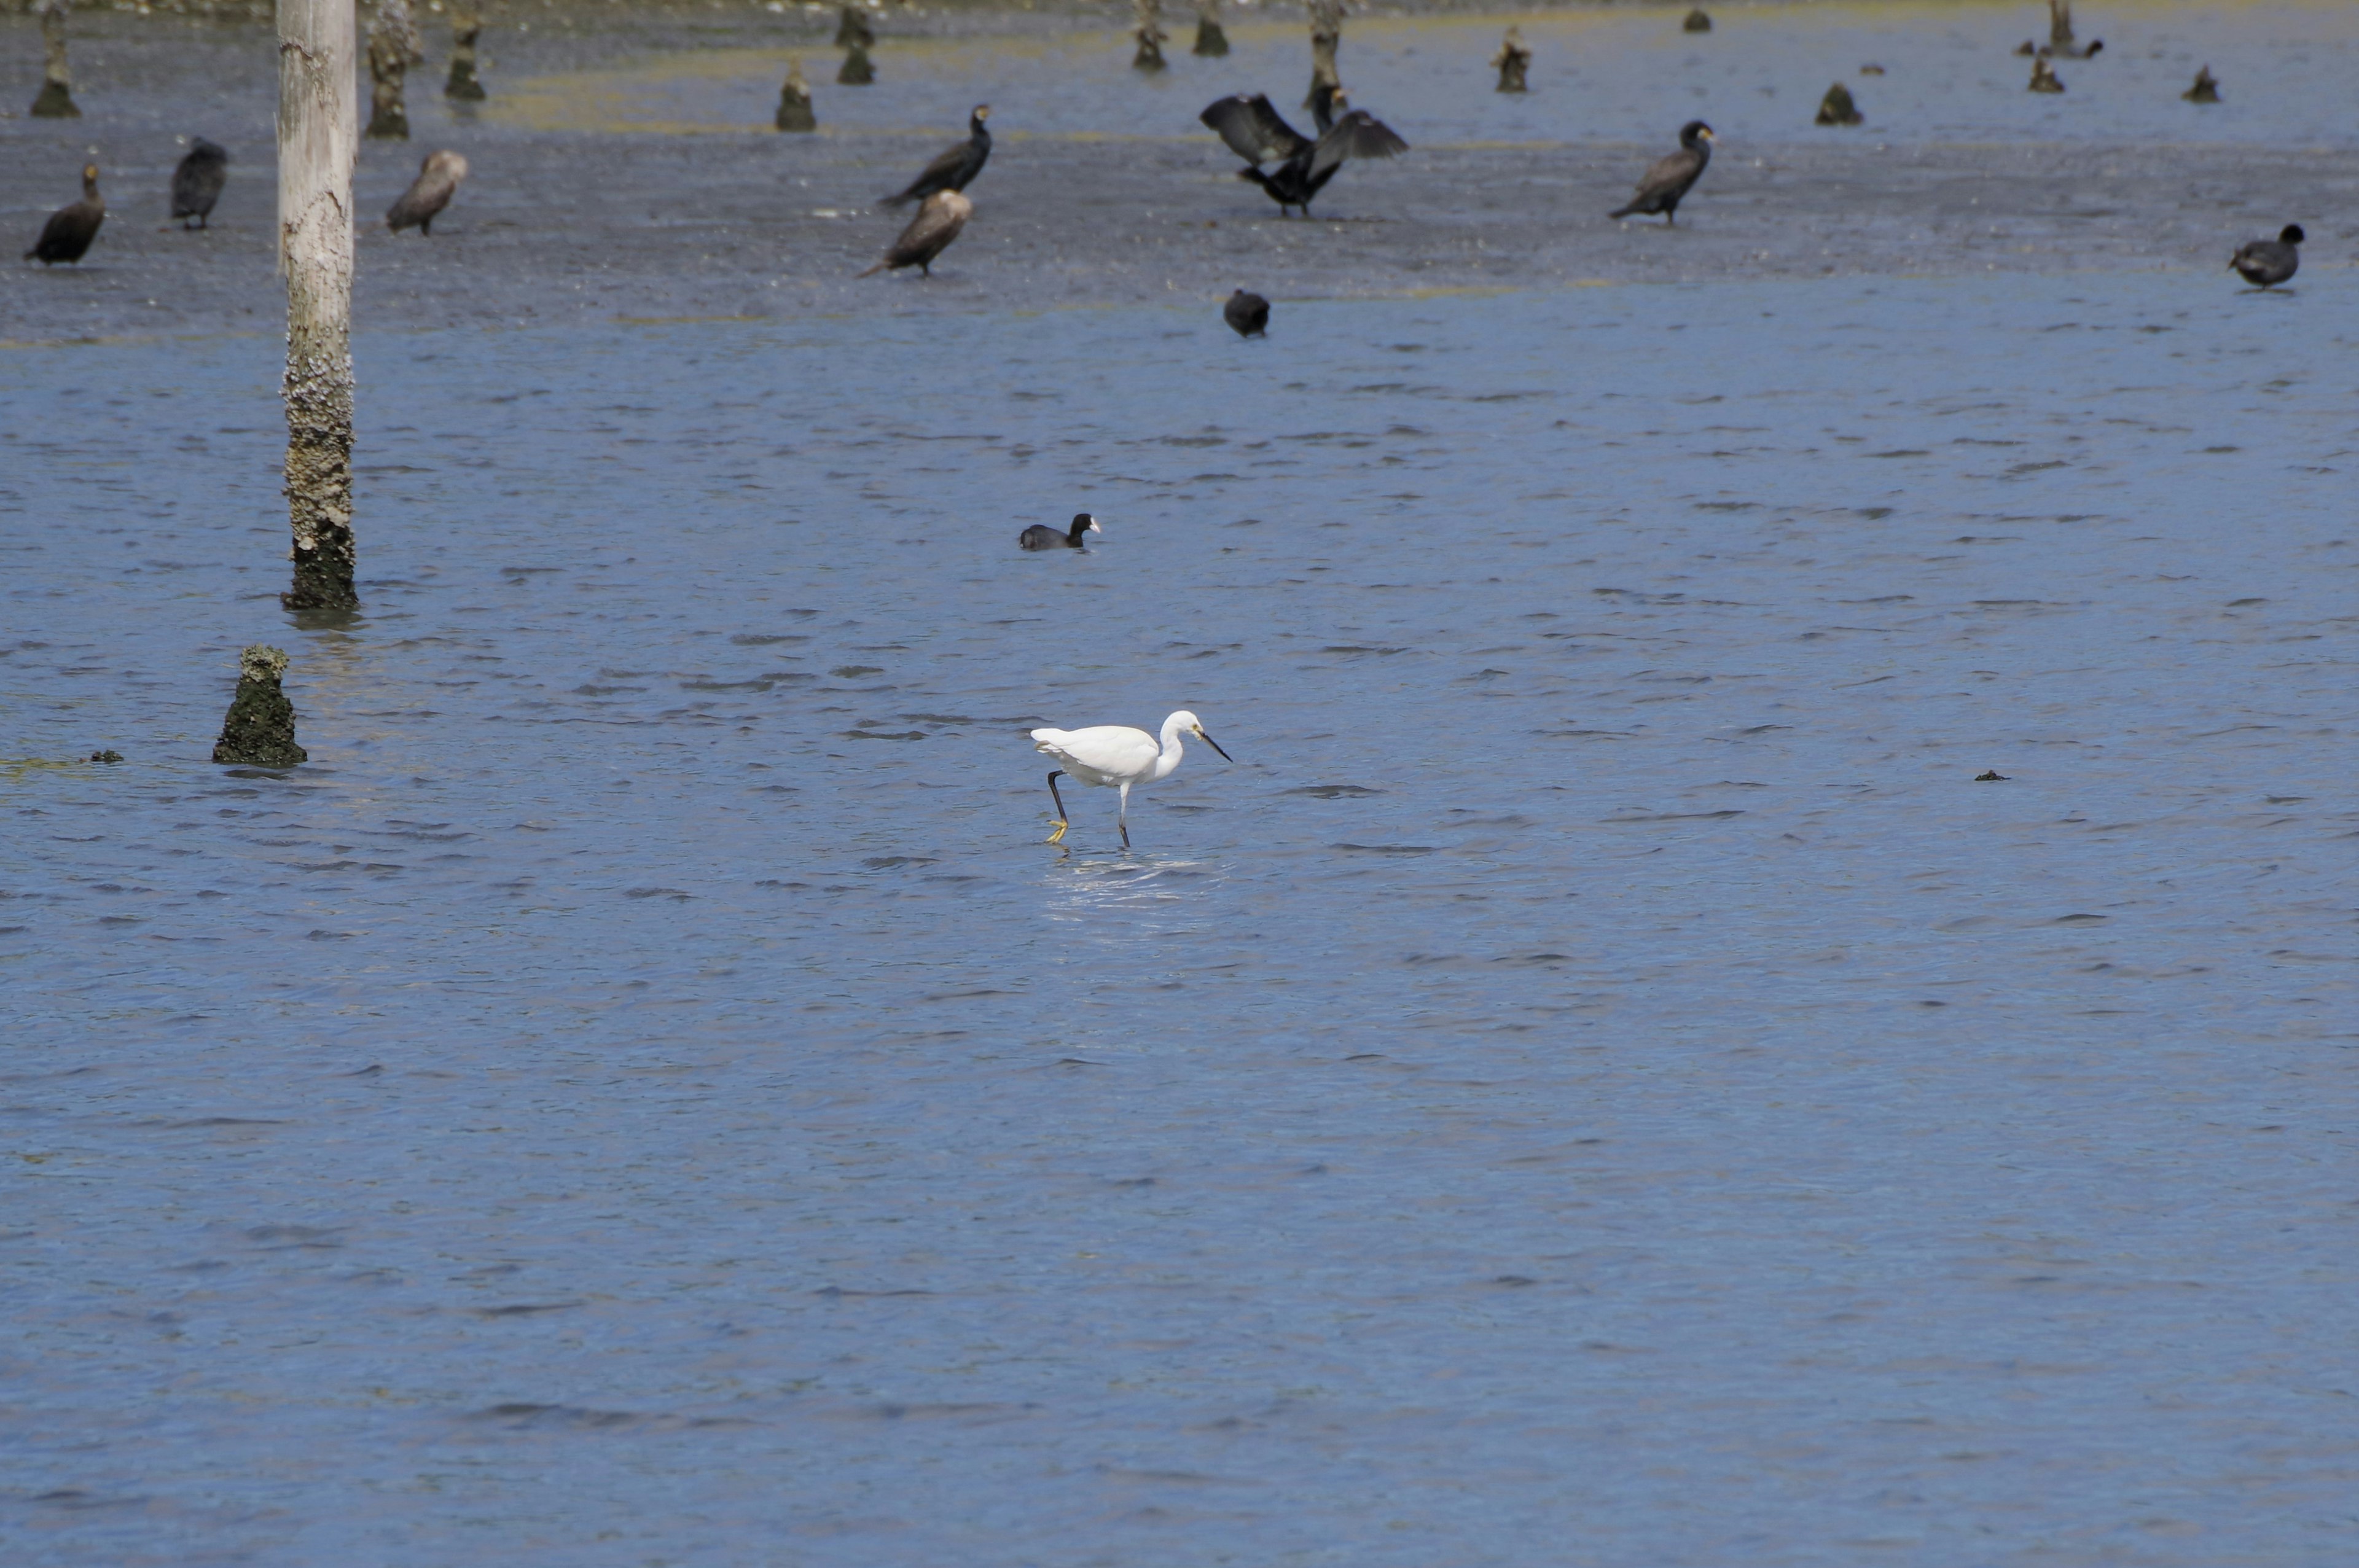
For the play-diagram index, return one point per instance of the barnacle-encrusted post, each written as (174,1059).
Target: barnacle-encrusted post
(56,101)
(795,112)
(1212,39)
(466,27)
(393,50)
(259,729)
(1326,37)
(318,119)
(1150,36)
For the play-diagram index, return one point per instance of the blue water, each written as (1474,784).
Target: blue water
(1597,1082)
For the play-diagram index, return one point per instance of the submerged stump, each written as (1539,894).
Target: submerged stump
(2044,78)
(1212,39)
(795,112)
(1837,108)
(1326,39)
(466,27)
(1513,60)
(2206,88)
(1150,36)
(392,49)
(1697,22)
(259,729)
(856,71)
(55,100)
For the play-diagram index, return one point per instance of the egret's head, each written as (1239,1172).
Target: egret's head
(1086,523)
(1192,725)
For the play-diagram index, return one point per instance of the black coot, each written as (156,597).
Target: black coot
(1040,536)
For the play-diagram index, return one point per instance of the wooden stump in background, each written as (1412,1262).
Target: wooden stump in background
(55,100)
(317,115)
(466,27)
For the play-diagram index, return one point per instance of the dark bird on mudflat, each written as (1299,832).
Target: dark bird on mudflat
(438,181)
(956,167)
(70,229)
(1667,183)
(197,183)
(1247,314)
(929,233)
(2265,262)
(1040,536)
(1259,134)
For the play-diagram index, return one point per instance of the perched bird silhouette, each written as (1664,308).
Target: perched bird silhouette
(1259,134)
(956,167)
(1247,313)
(929,233)
(1040,536)
(67,234)
(1668,182)
(2265,262)
(197,183)
(438,181)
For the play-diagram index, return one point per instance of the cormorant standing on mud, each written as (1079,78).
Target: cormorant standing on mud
(1667,183)
(438,181)
(929,233)
(197,183)
(2258,262)
(1247,314)
(1040,536)
(70,229)
(956,167)
(1259,134)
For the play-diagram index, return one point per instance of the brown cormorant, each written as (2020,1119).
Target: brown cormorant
(1259,134)
(438,180)
(70,229)
(929,233)
(956,167)
(1247,314)
(1040,536)
(197,183)
(2262,262)
(1668,181)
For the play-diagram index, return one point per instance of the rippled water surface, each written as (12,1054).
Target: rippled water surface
(1596,1081)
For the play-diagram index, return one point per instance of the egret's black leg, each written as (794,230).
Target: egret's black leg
(1061,823)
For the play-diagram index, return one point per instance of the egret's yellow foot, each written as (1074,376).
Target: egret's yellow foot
(1059,833)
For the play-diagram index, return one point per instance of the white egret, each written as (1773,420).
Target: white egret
(1119,755)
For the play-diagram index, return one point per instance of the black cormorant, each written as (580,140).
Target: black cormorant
(1247,313)
(2259,262)
(70,229)
(1259,134)
(1040,536)
(1668,181)
(956,167)
(438,180)
(929,233)
(197,183)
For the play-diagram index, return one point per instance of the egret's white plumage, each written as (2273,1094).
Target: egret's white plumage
(1118,756)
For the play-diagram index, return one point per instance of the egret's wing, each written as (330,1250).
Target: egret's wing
(1254,132)
(1116,749)
(1357,134)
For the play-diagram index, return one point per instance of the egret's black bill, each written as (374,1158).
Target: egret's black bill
(1215,745)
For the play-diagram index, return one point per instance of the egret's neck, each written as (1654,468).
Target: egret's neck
(1172,752)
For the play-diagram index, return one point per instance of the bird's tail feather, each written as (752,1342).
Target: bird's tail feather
(1623,212)
(872,271)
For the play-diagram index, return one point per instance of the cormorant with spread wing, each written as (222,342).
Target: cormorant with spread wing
(1259,134)
(956,167)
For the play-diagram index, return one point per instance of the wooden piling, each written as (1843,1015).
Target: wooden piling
(318,122)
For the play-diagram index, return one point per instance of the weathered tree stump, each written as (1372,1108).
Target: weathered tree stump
(1837,108)
(466,27)
(795,112)
(1513,60)
(1212,39)
(2044,78)
(392,49)
(55,100)
(259,729)
(1697,22)
(1150,36)
(316,147)
(1326,37)
(2206,88)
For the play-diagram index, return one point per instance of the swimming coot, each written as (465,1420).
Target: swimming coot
(1040,536)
